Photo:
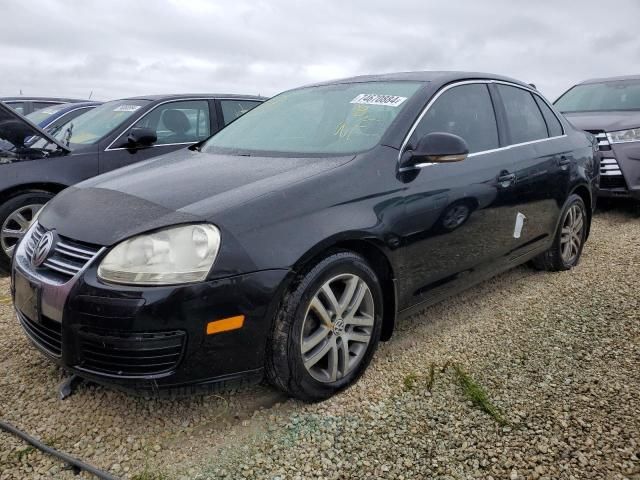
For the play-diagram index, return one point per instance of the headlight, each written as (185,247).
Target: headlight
(176,255)
(623,136)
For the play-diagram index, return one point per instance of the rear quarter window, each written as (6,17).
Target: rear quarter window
(553,124)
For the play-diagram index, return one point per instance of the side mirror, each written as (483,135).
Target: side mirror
(436,147)
(141,137)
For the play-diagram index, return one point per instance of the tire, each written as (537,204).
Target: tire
(300,334)
(27,202)
(555,259)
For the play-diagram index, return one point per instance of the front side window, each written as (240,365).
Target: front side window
(524,118)
(95,124)
(604,96)
(232,109)
(178,122)
(466,111)
(337,119)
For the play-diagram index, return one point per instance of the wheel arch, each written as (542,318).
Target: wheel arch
(585,193)
(49,187)
(378,260)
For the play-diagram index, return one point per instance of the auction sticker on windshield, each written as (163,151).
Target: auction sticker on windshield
(126,108)
(374,99)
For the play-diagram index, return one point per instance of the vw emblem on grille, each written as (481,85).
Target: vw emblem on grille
(42,249)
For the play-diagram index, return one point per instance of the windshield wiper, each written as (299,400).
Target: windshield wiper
(67,134)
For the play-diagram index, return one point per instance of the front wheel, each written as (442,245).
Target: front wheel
(327,328)
(16,215)
(569,239)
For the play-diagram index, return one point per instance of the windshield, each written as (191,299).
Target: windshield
(40,115)
(331,119)
(92,126)
(614,95)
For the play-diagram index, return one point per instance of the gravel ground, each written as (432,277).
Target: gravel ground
(558,356)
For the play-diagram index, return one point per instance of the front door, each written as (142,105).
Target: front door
(177,124)
(458,221)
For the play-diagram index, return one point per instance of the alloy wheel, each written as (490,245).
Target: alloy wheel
(572,234)
(337,328)
(16,225)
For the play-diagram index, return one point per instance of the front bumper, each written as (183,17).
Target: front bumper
(147,338)
(620,171)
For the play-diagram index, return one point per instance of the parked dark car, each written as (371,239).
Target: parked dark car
(50,119)
(293,240)
(610,109)
(110,136)
(26,105)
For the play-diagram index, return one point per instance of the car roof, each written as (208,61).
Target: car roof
(423,76)
(74,105)
(154,98)
(610,79)
(41,99)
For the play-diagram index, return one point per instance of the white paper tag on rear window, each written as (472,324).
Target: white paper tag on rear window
(374,99)
(126,108)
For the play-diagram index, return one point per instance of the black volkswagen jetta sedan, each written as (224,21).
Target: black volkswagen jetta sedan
(34,165)
(610,109)
(292,241)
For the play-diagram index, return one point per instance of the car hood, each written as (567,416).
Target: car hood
(607,121)
(15,129)
(181,187)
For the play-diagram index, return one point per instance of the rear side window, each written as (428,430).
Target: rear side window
(466,111)
(553,124)
(39,105)
(232,109)
(523,115)
(17,106)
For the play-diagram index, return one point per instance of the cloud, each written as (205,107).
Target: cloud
(122,48)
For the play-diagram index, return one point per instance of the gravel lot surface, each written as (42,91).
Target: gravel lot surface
(558,356)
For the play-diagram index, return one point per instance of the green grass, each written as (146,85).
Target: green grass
(474,392)
(149,475)
(410,382)
(432,376)
(23,452)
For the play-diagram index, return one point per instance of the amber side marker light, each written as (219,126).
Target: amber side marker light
(225,325)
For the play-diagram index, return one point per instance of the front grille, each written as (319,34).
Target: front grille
(610,173)
(603,141)
(612,182)
(47,334)
(122,354)
(68,256)
(609,167)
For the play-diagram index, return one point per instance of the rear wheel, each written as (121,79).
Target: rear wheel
(327,328)
(569,239)
(16,215)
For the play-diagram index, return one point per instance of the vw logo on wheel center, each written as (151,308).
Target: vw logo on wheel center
(42,249)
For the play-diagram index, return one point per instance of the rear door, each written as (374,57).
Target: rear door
(543,160)
(177,124)
(457,224)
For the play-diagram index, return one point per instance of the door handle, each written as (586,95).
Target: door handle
(505,178)
(564,162)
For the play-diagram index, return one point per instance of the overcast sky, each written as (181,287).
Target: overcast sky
(119,48)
